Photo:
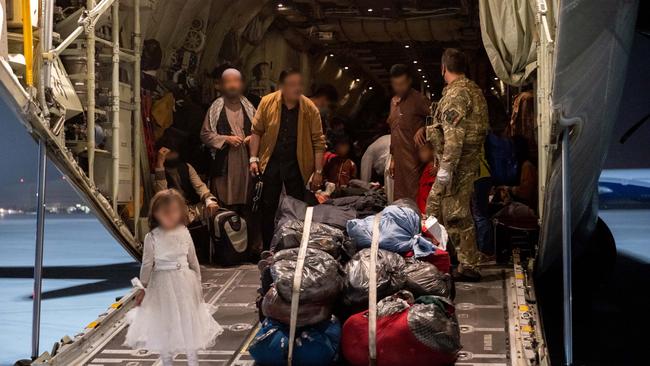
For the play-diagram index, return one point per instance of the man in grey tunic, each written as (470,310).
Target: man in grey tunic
(226,131)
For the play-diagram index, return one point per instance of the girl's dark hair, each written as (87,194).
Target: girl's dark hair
(165,198)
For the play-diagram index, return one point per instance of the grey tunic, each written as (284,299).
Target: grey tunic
(233,188)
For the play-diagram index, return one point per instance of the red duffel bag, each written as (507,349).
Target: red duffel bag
(424,333)
(439,258)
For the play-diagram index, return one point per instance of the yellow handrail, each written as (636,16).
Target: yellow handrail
(28,43)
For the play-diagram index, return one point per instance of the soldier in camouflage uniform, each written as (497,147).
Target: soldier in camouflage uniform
(460,123)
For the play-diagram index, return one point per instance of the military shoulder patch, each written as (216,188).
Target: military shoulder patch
(451,116)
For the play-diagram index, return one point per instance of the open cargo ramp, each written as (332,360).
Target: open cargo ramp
(231,290)
(496,316)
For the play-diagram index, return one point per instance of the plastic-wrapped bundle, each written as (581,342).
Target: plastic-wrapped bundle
(423,278)
(390,275)
(321,276)
(321,236)
(433,323)
(424,333)
(308,313)
(399,231)
(315,345)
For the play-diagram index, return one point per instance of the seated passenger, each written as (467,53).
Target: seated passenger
(526,191)
(339,168)
(172,172)
(428,177)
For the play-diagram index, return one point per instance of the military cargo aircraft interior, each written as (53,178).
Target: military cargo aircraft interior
(311,143)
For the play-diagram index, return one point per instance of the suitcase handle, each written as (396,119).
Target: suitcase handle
(297,281)
(372,292)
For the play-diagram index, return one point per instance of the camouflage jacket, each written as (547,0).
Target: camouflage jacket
(460,123)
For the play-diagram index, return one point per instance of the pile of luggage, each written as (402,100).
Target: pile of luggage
(415,321)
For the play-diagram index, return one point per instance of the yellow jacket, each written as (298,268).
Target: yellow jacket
(266,124)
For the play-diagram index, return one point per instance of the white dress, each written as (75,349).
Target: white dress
(173,318)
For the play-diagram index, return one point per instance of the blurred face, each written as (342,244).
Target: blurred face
(170,216)
(342,149)
(232,86)
(292,87)
(425,152)
(401,85)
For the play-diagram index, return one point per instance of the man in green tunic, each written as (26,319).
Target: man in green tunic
(460,123)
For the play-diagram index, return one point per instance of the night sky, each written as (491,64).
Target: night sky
(19,160)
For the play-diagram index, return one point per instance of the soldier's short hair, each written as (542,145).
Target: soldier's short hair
(454,60)
(399,70)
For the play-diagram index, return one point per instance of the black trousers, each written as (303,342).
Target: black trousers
(278,174)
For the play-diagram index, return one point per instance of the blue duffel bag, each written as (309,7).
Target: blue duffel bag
(399,230)
(316,345)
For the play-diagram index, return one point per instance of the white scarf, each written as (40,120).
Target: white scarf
(217,106)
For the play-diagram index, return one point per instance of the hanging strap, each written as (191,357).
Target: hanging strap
(297,281)
(372,293)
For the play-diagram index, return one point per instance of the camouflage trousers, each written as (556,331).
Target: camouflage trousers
(453,210)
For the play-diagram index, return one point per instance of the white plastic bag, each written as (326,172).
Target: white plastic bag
(433,227)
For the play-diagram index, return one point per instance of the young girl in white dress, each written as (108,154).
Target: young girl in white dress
(171,316)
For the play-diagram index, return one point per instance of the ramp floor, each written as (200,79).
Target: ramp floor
(233,292)
(482,311)
(480,307)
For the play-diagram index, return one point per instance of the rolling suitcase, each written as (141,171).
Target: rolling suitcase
(229,242)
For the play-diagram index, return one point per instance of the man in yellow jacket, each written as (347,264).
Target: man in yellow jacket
(286,146)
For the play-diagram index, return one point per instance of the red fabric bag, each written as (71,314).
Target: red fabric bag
(439,258)
(396,343)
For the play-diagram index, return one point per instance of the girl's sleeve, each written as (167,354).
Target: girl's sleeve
(147,260)
(192,260)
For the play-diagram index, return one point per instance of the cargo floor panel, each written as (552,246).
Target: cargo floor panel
(232,291)
(482,311)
